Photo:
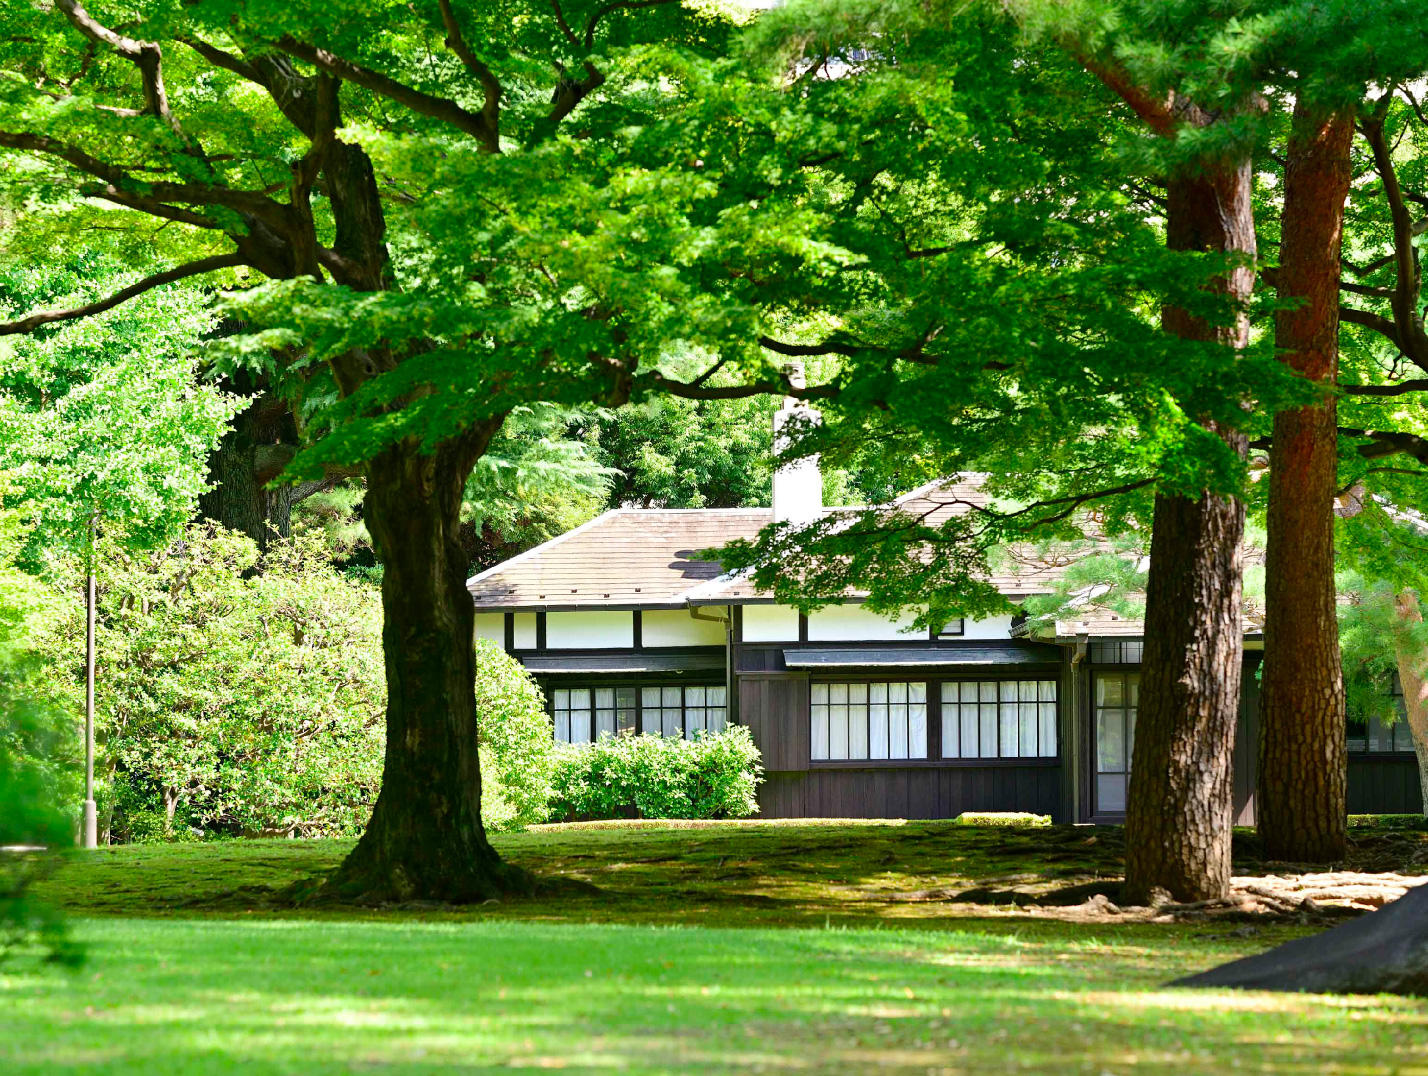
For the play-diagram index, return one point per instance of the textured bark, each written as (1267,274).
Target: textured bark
(244,462)
(1303,767)
(1413,675)
(1179,807)
(425,839)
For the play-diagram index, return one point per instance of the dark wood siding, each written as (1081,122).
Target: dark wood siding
(774,708)
(1385,784)
(911,792)
(1246,755)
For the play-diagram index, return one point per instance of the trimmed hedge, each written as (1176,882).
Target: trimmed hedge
(657,777)
(1002,818)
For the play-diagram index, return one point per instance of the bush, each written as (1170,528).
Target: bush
(658,777)
(1002,818)
(516,748)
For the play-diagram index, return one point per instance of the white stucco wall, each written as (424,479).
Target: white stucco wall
(525,631)
(595,629)
(770,624)
(675,627)
(853,623)
(997,627)
(491,626)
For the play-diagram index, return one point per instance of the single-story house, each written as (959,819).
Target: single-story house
(628,631)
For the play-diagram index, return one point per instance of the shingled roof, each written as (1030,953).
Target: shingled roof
(645,557)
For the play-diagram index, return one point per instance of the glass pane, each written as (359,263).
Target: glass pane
(561,697)
(1026,691)
(716,696)
(987,691)
(878,693)
(694,721)
(838,731)
(878,728)
(857,732)
(819,740)
(694,696)
(820,693)
(649,697)
(1046,733)
(604,698)
(1130,738)
(604,724)
(917,730)
(951,732)
(1046,690)
(897,693)
(1110,740)
(858,693)
(1110,689)
(987,746)
(562,726)
(969,732)
(1133,690)
(580,724)
(1026,714)
(1110,793)
(626,717)
(897,731)
(1010,742)
(671,696)
(838,693)
(670,724)
(952,692)
(718,719)
(917,692)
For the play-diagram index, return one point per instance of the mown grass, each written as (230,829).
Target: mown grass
(675,968)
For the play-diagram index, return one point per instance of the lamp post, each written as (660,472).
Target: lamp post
(90,830)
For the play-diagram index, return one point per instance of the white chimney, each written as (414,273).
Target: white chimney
(797,486)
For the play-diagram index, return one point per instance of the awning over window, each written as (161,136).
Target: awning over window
(626,662)
(923,657)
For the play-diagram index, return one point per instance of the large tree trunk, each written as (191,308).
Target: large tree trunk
(425,839)
(1179,807)
(1413,676)
(1301,809)
(251,454)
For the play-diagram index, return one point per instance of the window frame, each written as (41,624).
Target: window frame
(1370,725)
(934,720)
(638,687)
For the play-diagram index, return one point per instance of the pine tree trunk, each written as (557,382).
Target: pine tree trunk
(1301,810)
(425,839)
(1178,812)
(1413,675)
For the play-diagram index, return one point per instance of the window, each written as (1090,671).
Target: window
(583,714)
(869,721)
(953,629)
(1117,652)
(1117,701)
(999,719)
(1369,734)
(683,710)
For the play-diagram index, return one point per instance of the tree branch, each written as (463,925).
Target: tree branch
(616,6)
(145,55)
(564,26)
(1379,324)
(491,110)
(226,60)
(438,108)
(1398,389)
(782,387)
(203,265)
(1157,112)
(1411,338)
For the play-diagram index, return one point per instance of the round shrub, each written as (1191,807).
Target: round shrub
(515,743)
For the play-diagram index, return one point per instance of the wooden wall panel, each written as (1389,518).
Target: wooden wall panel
(774,708)
(1387,785)
(1246,756)
(910,792)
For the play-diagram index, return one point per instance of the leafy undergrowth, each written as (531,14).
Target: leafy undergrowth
(318,997)
(711,874)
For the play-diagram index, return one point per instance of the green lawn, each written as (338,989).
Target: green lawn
(763,977)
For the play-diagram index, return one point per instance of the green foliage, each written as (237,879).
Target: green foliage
(105,415)
(517,751)
(228,700)
(1002,818)
(658,777)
